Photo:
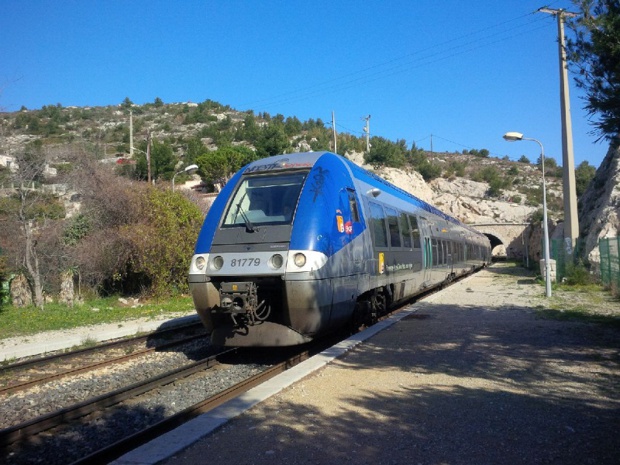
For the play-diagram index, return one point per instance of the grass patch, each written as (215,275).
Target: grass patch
(589,303)
(30,320)
(583,315)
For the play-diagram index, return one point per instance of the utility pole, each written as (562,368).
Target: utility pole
(571,220)
(334,131)
(148,157)
(367,132)
(130,134)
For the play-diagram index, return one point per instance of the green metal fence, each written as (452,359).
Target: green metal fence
(610,262)
(564,256)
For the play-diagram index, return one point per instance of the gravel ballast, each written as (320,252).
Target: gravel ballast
(475,376)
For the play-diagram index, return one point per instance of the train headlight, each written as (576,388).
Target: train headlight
(218,262)
(299,259)
(276,261)
(200,263)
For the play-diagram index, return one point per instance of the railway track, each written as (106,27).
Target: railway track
(144,410)
(40,370)
(47,435)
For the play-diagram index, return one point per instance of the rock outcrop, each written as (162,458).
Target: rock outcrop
(599,206)
(461,198)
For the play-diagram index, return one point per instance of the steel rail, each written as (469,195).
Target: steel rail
(29,428)
(74,371)
(106,345)
(118,448)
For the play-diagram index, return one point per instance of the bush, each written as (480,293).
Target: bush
(576,274)
(165,240)
(429,171)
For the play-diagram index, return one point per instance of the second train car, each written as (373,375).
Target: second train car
(298,245)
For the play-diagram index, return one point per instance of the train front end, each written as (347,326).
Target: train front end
(252,282)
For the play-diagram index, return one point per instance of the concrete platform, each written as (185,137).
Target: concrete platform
(470,375)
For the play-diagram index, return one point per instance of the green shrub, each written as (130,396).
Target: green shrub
(576,274)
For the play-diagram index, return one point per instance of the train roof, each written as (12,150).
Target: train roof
(308,159)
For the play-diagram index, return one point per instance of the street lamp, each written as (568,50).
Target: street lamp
(515,136)
(187,169)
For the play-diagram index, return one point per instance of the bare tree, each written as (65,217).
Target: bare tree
(29,215)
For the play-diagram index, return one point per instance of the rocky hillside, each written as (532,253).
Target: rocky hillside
(460,190)
(599,207)
(468,200)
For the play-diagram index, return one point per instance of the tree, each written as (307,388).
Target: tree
(594,54)
(127,104)
(162,162)
(584,173)
(218,166)
(29,218)
(195,148)
(524,159)
(387,153)
(272,140)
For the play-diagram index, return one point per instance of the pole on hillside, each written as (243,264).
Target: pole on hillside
(130,133)
(334,131)
(367,132)
(148,157)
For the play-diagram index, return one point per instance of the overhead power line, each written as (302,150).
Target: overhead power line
(408,62)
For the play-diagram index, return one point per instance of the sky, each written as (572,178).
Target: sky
(447,75)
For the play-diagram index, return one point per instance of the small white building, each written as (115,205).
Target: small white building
(8,162)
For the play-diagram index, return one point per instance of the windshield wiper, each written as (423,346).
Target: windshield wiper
(248,224)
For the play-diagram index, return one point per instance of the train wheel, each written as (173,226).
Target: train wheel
(361,315)
(378,305)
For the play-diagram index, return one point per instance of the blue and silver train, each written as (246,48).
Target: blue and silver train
(298,245)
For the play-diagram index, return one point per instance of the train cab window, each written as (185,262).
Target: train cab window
(378,225)
(405,231)
(265,199)
(355,214)
(415,231)
(392,218)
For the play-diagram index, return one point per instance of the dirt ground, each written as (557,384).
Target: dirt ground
(476,376)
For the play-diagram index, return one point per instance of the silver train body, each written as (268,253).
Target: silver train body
(298,245)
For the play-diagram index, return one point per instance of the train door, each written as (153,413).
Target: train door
(349,224)
(427,250)
(347,282)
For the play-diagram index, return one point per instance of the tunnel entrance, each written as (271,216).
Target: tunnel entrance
(498,249)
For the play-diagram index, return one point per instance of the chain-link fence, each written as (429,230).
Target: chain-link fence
(565,256)
(610,263)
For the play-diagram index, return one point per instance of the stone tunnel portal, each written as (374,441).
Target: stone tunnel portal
(498,249)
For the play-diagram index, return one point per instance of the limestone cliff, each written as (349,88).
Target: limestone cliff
(599,206)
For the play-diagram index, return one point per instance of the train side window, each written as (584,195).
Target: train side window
(378,225)
(415,231)
(392,218)
(355,214)
(405,231)
(435,254)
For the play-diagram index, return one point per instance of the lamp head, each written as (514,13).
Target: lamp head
(513,136)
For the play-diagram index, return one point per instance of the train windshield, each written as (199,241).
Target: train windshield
(265,199)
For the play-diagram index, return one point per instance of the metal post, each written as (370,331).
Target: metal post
(367,132)
(334,131)
(148,157)
(571,219)
(545,224)
(130,134)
